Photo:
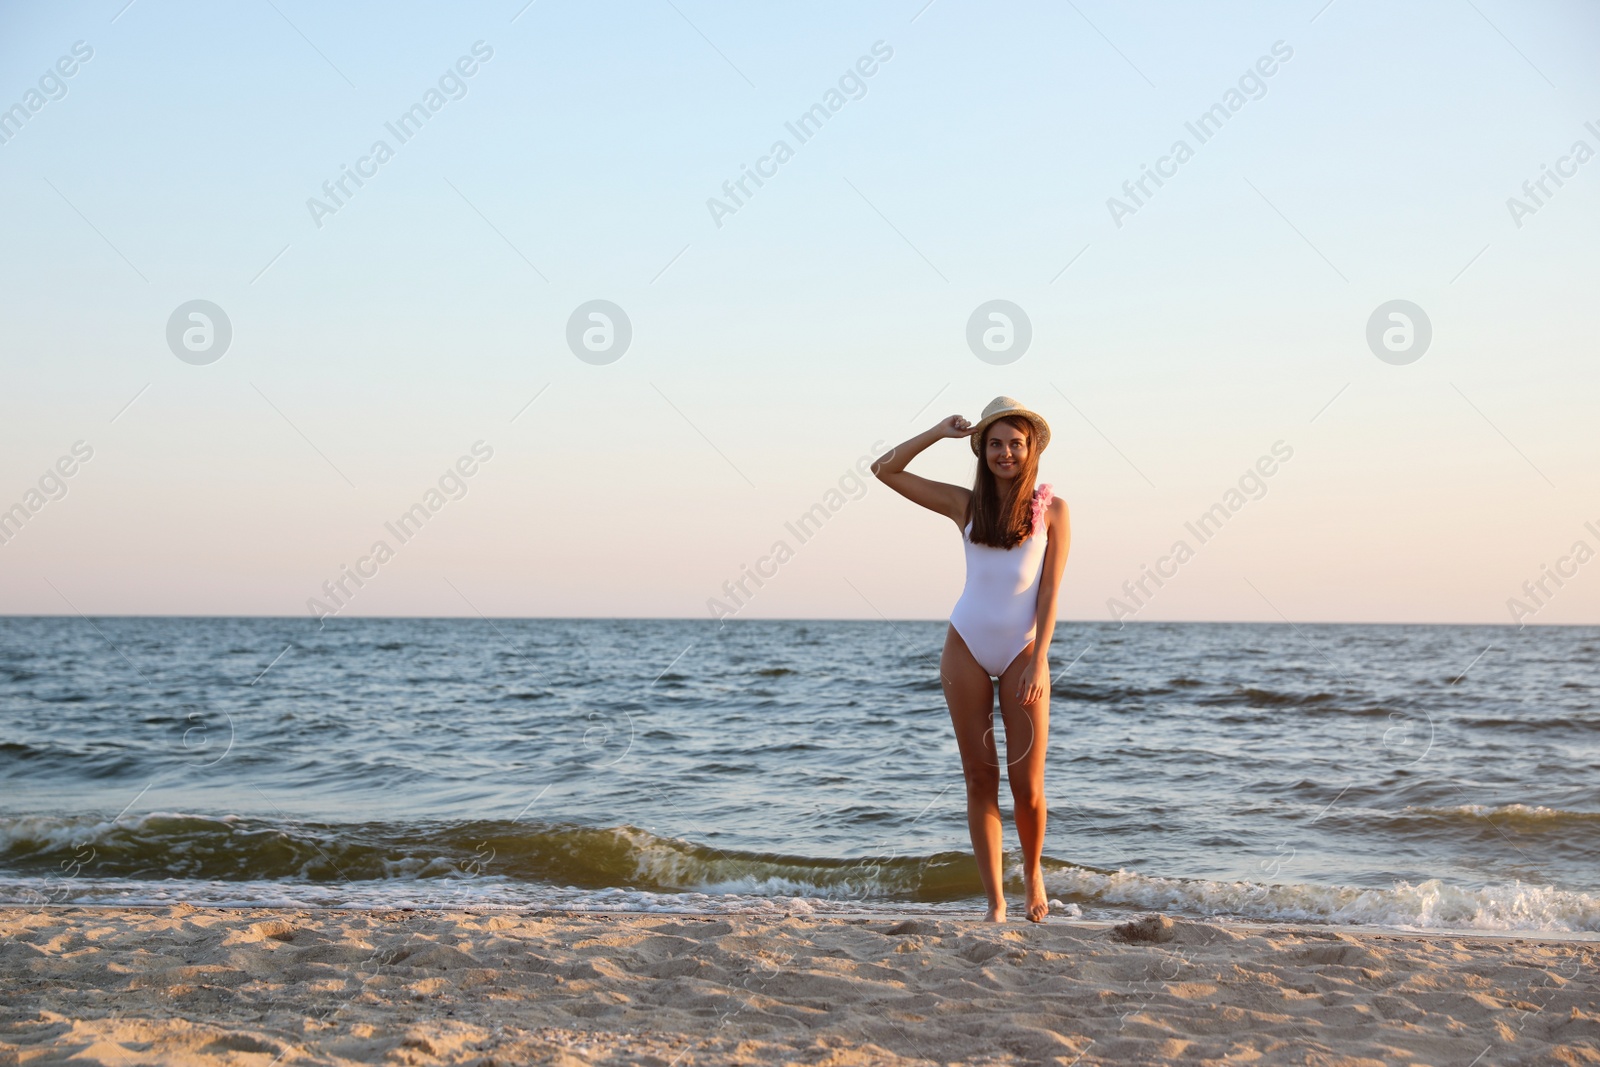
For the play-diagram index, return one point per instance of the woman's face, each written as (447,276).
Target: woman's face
(1005,448)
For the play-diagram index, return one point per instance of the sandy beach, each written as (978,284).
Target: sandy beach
(125,986)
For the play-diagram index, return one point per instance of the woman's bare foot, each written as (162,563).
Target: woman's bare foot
(1038,902)
(997,913)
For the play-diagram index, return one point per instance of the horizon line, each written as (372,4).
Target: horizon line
(720,622)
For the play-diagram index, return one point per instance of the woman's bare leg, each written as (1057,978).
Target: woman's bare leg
(969,693)
(1027,734)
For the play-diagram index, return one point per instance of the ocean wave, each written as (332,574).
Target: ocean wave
(1269,698)
(1112,694)
(480,893)
(174,855)
(1531,817)
(89,762)
(1429,904)
(233,847)
(1557,725)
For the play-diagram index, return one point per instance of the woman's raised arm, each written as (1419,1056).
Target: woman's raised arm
(890,469)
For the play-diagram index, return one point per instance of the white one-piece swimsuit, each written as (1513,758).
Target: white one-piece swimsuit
(998,610)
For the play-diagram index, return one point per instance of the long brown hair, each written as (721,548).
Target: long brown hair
(1009,522)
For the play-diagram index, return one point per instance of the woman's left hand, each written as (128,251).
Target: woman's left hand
(1034,683)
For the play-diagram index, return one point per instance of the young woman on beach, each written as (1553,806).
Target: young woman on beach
(1016,538)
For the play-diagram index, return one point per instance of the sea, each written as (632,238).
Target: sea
(1410,777)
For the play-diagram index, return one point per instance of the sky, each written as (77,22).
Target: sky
(1348,275)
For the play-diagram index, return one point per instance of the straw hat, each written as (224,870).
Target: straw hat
(1000,407)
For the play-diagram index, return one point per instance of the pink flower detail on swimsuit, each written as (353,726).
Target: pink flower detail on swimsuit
(1042,496)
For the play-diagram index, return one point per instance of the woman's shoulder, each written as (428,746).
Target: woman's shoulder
(1043,503)
(1047,506)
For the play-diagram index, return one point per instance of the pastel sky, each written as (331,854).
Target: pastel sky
(1358,154)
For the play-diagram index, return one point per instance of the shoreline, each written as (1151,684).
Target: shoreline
(223,985)
(975,916)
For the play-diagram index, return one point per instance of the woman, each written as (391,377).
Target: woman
(1016,541)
